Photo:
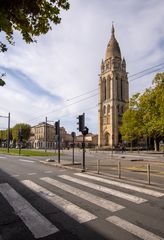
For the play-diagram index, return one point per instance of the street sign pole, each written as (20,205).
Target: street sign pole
(8,139)
(73,147)
(58,141)
(83,153)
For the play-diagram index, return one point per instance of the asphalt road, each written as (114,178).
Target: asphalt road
(40,201)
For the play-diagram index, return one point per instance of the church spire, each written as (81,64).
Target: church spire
(113,49)
(113,30)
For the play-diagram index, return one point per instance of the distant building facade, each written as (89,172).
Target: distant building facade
(91,140)
(43,131)
(39,134)
(113,94)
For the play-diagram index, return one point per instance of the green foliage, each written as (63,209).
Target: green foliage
(31,18)
(145,116)
(25,129)
(130,128)
(2,82)
(3,134)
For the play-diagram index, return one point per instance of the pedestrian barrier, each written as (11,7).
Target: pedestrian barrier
(121,170)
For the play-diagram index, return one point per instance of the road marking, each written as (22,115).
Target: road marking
(113,192)
(48,172)
(3,157)
(31,173)
(34,220)
(77,213)
(135,230)
(123,185)
(24,160)
(109,205)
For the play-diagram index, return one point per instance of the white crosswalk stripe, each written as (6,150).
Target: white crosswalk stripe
(77,213)
(122,185)
(109,205)
(113,192)
(41,227)
(132,228)
(35,221)
(24,160)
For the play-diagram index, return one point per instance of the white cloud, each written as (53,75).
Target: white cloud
(66,62)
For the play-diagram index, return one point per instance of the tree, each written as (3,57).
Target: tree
(145,116)
(3,135)
(30,18)
(25,130)
(130,129)
(151,103)
(2,82)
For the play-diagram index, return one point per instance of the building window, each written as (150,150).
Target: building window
(104,110)
(108,87)
(108,109)
(104,89)
(121,90)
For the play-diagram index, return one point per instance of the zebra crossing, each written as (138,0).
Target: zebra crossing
(79,185)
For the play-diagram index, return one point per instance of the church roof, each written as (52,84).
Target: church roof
(113,49)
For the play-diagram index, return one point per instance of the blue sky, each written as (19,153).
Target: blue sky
(65,63)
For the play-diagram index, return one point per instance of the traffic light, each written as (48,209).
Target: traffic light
(57,128)
(81,122)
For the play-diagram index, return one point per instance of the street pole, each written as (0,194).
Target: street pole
(73,147)
(20,141)
(46,136)
(59,142)
(148,173)
(8,142)
(83,153)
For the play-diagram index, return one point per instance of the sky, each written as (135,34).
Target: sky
(58,77)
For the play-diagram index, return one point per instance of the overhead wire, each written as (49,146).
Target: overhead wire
(143,73)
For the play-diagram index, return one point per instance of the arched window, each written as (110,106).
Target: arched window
(108,87)
(104,89)
(108,109)
(107,138)
(104,110)
(118,109)
(121,89)
(118,87)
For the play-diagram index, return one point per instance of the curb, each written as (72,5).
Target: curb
(59,165)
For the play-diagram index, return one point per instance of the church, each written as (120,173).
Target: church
(113,94)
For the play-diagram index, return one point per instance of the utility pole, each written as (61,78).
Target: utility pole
(73,147)
(8,139)
(46,136)
(57,133)
(83,153)
(84,130)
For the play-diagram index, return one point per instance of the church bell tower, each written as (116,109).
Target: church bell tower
(113,94)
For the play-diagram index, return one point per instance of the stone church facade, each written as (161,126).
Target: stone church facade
(113,94)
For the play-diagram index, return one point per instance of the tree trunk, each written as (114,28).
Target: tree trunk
(156,144)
